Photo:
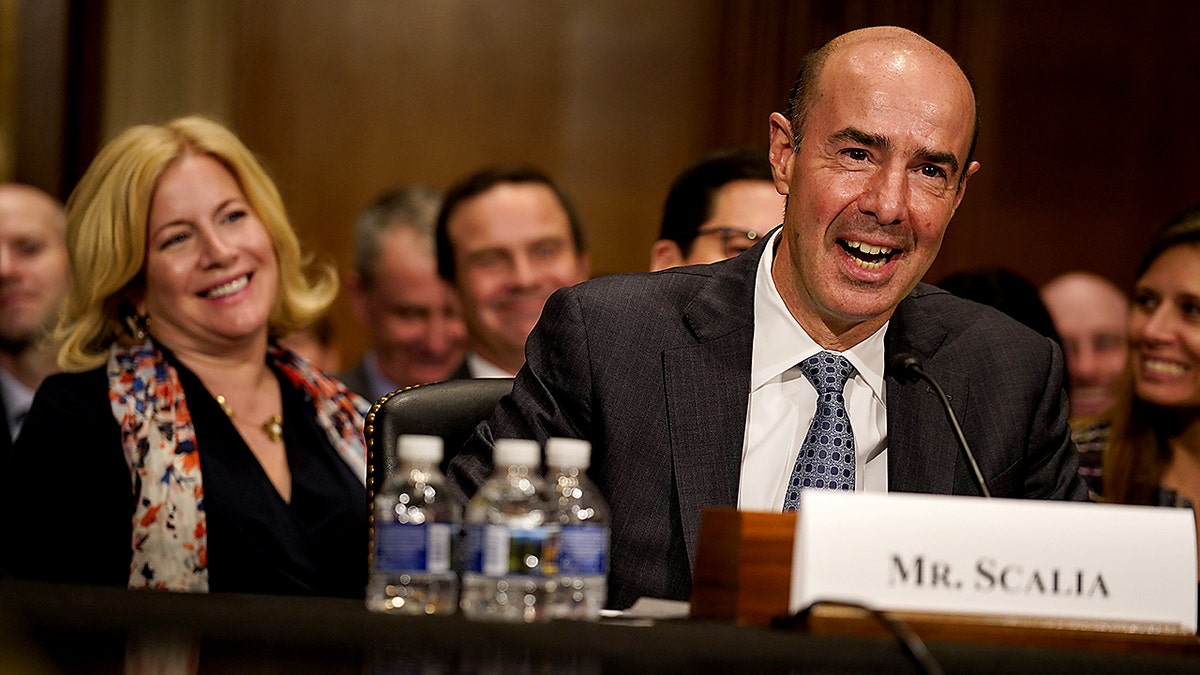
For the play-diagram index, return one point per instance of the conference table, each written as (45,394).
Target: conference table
(73,629)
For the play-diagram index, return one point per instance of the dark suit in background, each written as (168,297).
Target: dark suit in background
(463,372)
(356,380)
(654,370)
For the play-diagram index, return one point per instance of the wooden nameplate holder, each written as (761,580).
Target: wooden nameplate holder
(743,575)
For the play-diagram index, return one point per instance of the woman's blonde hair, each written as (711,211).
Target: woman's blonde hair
(107,216)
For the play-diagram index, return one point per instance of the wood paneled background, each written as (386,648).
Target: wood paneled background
(1090,136)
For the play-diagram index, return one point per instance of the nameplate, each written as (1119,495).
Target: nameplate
(965,555)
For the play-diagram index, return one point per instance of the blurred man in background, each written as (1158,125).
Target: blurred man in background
(507,237)
(416,327)
(34,277)
(1089,313)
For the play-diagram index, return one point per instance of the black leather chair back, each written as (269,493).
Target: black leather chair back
(450,409)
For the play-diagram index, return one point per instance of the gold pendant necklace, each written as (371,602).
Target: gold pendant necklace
(273,427)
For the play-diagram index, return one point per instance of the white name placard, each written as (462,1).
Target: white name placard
(966,555)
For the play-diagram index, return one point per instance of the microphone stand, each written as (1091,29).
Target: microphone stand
(907,368)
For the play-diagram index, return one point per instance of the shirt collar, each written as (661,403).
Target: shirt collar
(780,343)
(17,399)
(482,368)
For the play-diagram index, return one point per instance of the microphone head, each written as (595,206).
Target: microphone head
(904,367)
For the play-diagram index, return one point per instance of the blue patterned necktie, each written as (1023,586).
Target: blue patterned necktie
(826,459)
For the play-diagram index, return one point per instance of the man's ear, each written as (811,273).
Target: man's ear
(663,254)
(962,186)
(781,152)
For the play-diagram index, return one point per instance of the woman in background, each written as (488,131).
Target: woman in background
(183,449)
(1153,452)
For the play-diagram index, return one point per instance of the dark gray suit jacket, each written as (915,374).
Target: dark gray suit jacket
(654,370)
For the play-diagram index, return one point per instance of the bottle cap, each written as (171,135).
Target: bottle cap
(568,452)
(510,451)
(414,447)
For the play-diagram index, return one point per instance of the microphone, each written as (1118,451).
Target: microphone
(907,368)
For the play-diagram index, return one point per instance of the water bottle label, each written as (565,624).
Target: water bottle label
(404,547)
(583,550)
(473,549)
(438,558)
(499,550)
(495,551)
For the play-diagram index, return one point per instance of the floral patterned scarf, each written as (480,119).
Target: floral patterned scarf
(169,547)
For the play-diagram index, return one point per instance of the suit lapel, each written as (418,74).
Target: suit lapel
(923,454)
(707,386)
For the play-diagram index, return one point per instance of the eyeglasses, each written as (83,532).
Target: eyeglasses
(733,240)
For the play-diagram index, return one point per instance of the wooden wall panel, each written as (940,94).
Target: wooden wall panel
(41,71)
(165,60)
(1088,134)
(9,55)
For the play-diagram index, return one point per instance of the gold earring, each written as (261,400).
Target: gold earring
(137,324)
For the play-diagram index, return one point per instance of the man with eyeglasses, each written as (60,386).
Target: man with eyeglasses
(717,208)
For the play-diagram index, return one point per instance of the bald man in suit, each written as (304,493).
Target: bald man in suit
(687,382)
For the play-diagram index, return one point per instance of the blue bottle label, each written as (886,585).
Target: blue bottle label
(404,547)
(472,561)
(583,550)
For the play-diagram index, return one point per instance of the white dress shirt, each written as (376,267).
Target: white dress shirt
(17,399)
(783,402)
(480,367)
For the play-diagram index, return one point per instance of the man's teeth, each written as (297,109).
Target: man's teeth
(883,254)
(229,288)
(869,249)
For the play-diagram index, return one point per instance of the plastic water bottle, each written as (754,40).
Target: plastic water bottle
(511,544)
(416,522)
(583,543)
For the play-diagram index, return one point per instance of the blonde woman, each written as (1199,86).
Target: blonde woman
(183,449)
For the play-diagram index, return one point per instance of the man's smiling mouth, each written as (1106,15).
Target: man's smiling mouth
(867,256)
